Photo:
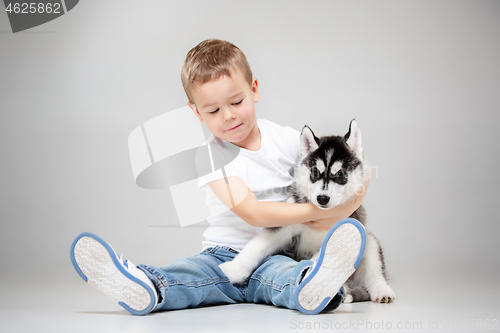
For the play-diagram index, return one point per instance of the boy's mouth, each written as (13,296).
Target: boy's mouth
(235,127)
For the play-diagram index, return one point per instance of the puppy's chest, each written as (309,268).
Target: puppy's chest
(310,240)
(305,244)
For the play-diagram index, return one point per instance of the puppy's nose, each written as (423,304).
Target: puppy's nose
(323,199)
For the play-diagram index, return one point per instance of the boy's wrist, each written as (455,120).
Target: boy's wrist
(344,209)
(320,214)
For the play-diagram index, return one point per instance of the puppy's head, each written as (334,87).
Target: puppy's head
(331,167)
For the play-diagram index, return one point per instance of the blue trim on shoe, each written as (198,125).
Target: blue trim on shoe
(72,254)
(118,265)
(319,261)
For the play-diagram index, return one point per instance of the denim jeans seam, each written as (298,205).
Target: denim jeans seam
(200,283)
(162,283)
(273,285)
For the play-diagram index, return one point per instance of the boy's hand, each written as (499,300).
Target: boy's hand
(323,224)
(350,207)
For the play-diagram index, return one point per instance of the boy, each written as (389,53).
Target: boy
(222,93)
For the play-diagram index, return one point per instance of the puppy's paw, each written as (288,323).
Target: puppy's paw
(348,298)
(382,294)
(235,273)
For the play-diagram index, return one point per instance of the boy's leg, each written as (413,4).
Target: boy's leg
(277,279)
(311,287)
(189,282)
(195,281)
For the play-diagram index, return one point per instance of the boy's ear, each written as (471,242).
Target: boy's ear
(195,110)
(353,138)
(255,90)
(308,141)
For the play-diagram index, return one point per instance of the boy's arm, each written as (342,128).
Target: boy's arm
(236,195)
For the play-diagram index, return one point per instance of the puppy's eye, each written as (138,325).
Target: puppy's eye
(315,174)
(340,177)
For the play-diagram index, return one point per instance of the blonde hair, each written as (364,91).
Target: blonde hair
(211,60)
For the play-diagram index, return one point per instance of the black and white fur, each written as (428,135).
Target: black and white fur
(330,171)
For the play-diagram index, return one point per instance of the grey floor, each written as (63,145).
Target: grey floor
(51,302)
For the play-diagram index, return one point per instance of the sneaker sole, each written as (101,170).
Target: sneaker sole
(96,262)
(340,254)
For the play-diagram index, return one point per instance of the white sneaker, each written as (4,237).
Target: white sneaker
(99,265)
(340,254)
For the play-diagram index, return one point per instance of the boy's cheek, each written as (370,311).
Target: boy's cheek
(214,129)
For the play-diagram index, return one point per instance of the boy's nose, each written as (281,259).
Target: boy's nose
(228,114)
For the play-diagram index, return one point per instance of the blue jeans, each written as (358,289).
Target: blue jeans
(198,281)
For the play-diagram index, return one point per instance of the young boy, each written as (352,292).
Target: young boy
(222,93)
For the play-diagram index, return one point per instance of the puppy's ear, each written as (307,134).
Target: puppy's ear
(308,141)
(353,138)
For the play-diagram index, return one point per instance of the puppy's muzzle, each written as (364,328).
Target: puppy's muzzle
(323,200)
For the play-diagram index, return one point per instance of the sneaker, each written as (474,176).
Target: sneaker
(100,266)
(340,254)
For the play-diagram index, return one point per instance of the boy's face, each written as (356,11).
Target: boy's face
(227,107)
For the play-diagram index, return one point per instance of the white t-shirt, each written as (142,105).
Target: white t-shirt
(267,172)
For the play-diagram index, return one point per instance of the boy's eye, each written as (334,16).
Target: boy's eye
(238,103)
(214,111)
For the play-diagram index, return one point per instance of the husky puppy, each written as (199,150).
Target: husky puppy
(331,169)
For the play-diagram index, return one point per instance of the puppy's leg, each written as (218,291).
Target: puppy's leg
(268,242)
(355,293)
(371,273)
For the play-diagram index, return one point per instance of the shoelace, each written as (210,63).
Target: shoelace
(123,261)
